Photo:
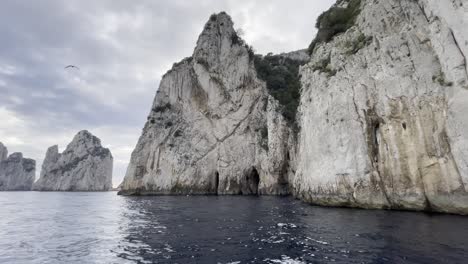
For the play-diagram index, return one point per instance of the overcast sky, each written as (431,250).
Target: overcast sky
(122,48)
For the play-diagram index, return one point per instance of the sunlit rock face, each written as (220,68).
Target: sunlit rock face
(213,127)
(16,173)
(384,111)
(84,166)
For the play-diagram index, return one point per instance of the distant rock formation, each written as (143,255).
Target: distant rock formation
(16,172)
(3,152)
(84,166)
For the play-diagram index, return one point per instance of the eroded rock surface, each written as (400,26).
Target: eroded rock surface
(84,166)
(382,118)
(16,173)
(213,127)
(384,111)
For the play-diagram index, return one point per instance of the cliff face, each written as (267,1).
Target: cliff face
(381,118)
(213,127)
(383,110)
(16,172)
(84,166)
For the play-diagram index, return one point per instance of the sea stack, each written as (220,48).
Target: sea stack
(16,173)
(84,166)
(213,127)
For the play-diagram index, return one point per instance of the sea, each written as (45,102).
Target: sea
(61,227)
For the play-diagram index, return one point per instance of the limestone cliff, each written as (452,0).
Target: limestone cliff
(16,172)
(384,110)
(84,166)
(213,127)
(382,116)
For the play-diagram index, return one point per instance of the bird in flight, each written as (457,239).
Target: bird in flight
(71,67)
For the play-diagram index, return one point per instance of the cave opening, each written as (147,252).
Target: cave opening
(216,183)
(253,180)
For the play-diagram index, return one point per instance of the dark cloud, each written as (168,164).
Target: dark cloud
(122,49)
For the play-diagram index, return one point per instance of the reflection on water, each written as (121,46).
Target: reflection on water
(105,228)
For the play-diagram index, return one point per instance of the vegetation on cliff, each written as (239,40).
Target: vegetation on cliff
(336,20)
(281,75)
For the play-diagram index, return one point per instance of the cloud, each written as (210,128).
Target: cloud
(122,49)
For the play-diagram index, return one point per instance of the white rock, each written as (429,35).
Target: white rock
(16,172)
(389,130)
(213,128)
(84,166)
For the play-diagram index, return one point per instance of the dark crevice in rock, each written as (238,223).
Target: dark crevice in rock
(373,129)
(460,50)
(216,184)
(423,11)
(376,142)
(251,183)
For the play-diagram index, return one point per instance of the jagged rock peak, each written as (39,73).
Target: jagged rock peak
(86,139)
(84,166)
(217,41)
(219,26)
(16,172)
(213,127)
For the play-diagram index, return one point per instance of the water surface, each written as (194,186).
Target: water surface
(106,228)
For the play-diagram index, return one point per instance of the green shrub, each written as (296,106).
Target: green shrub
(251,52)
(203,62)
(169,124)
(357,44)
(236,39)
(325,67)
(283,81)
(334,21)
(186,60)
(162,108)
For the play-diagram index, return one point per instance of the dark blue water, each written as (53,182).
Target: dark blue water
(106,228)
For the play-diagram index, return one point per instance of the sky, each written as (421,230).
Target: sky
(122,49)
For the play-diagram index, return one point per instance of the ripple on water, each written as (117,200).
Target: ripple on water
(105,228)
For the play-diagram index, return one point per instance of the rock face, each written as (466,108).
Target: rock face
(16,172)
(84,166)
(213,127)
(383,111)
(382,115)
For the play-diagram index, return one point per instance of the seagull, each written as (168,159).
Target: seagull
(71,67)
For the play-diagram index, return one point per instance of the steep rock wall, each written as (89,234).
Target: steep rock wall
(213,128)
(383,111)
